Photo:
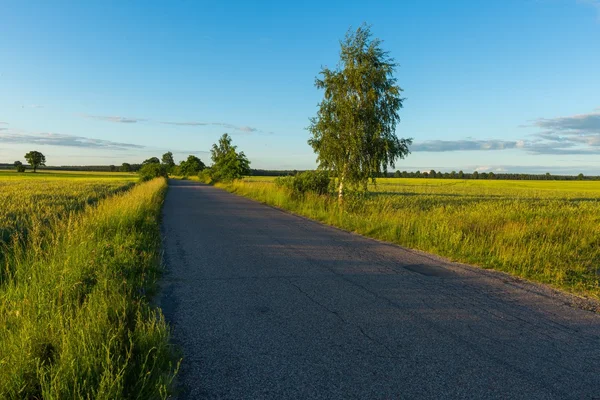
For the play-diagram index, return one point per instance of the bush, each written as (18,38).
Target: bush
(205,176)
(20,168)
(151,171)
(310,181)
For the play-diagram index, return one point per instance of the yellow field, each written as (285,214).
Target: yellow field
(32,201)
(547,231)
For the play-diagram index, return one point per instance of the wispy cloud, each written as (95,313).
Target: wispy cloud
(582,124)
(57,139)
(188,123)
(130,120)
(466,145)
(246,129)
(122,120)
(577,134)
(572,135)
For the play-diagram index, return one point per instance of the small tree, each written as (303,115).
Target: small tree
(168,161)
(35,159)
(152,170)
(125,167)
(354,132)
(19,166)
(191,166)
(228,164)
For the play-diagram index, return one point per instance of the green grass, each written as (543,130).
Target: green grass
(75,318)
(543,231)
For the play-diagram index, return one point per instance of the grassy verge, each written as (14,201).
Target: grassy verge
(538,233)
(75,321)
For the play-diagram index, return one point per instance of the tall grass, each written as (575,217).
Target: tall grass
(543,231)
(40,199)
(75,321)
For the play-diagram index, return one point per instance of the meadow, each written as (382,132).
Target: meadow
(545,231)
(78,270)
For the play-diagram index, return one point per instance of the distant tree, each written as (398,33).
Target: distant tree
(191,166)
(152,160)
(125,167)
(461,175)
(228,164)
(152,170)
(19,166)
(112,168)
(580,177)
(432,173)
(354,132)
(168,161)
(35,159)
(397,174)
(476,175)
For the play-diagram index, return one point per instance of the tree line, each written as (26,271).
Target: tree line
(227,164)
(432,174)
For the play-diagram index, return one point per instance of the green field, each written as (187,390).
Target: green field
(32,201)
(79,263)
(544,231)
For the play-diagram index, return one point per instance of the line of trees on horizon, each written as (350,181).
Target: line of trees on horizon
(135,167)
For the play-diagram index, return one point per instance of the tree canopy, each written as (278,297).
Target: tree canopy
(228,164)
(151,160)
(168,161)
(191,166)
(354,131)
(35,159)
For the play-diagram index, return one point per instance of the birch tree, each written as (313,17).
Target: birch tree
(354,131)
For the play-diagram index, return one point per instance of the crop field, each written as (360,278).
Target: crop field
(79,261)
(33,201)
(546,231)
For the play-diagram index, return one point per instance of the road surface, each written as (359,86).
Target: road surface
(264,304)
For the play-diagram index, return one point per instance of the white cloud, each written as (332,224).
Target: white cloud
(57,139)
(123,120)
(130,120)
(463,145)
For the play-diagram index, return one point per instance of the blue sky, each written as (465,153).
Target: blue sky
(490,85)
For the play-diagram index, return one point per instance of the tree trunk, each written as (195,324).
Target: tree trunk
(341,188)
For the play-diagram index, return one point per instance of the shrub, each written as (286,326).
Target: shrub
(152,170)
(20,168)
(310,181)
(205,175)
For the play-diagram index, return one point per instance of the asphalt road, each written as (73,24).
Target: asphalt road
(265,304)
